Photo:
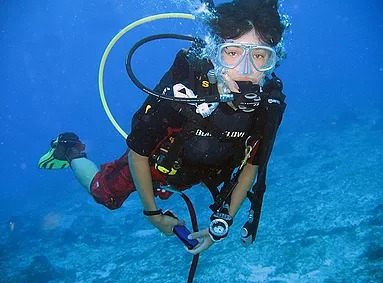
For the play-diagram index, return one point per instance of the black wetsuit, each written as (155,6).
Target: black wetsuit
(204,154)
(209,148)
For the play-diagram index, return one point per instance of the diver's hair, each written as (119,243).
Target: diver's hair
(234,19)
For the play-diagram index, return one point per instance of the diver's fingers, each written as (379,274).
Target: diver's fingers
(230,83)
(204,245)
(168,220)
(171,218)
(233,86)
(171,213)
(199,234)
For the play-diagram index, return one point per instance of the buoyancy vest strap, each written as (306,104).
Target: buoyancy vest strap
(269,119)
(223,196)
(272,118)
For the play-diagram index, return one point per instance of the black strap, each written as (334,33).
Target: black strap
(152,212)
(274,108)
(223,196)
(265,124)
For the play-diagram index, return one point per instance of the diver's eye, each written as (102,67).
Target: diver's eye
(231,53)
(259,56)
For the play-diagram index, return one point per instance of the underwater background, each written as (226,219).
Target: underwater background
(322,218)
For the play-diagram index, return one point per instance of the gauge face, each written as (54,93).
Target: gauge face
(219,227)
(219,230)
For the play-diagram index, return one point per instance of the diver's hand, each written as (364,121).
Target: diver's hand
(165,223)
(205,241)
(227,83)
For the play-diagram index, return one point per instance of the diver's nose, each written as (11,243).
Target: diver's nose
(246,67)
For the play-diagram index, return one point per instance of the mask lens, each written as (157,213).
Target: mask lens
(231,55)
(263,58)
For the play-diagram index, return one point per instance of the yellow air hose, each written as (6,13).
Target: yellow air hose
(109,48)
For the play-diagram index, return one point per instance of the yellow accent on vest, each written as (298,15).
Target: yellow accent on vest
(147,108)
(165,170)
(205,84)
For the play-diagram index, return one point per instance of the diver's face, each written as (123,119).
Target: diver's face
(253,74)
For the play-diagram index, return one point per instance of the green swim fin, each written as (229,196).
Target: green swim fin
(64,149)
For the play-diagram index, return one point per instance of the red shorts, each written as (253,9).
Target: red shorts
(113,184)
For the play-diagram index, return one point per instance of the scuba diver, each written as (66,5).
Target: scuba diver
(223,144)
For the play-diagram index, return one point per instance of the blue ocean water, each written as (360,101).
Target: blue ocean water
(323,212)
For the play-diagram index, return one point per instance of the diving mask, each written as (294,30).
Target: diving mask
(262,58)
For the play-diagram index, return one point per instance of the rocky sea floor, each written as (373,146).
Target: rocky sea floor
(322,222)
